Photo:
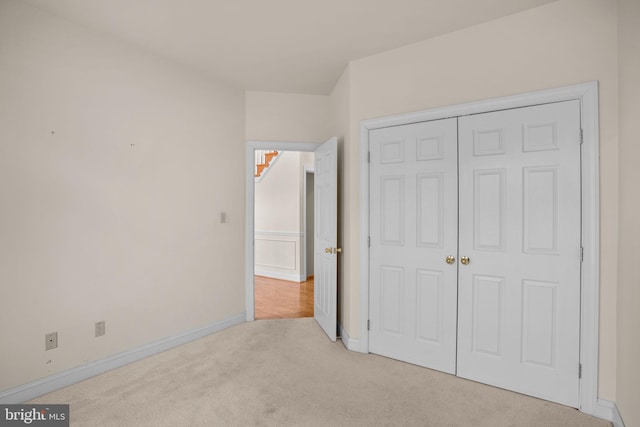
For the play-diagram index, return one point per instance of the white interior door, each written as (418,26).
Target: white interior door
(519,294)
(413,228)
(325,308)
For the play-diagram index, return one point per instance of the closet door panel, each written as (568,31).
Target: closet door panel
(413,228)
(519,294)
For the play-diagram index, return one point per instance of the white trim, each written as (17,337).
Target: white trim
(249,254)
(348,342)
(590,289)
(279,233)
(587,94)
(616,419)
(57,381)
(608,410)
(603,409)
(305,236)
(298,278)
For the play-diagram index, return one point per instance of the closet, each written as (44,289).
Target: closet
(475,247)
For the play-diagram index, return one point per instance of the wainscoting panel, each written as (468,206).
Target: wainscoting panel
(279,255)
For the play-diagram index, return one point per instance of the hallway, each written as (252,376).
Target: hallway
(282,299)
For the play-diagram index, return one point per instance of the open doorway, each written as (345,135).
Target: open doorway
(283,234)
(326,250)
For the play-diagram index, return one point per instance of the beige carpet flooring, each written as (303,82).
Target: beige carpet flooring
(287,373)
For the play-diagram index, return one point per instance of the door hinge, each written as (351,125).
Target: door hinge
(581,254)
(368,325)
(579,370)
(369,241)
(581,136)
(368,156)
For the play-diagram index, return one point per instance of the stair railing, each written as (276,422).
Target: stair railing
(262,160)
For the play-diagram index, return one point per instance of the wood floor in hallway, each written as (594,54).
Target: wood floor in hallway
(281,299)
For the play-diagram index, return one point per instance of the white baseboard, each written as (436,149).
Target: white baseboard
(608,410)
(617,418)
(602,409)
(282,276)
(349,343)
(57,381)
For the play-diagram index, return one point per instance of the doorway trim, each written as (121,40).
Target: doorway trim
(249,241)
(587,94)
(305,241)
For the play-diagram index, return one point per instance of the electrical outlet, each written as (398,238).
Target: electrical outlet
(100,329)
(50,341)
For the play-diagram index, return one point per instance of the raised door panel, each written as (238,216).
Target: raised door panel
(488,315)
(430,210)
(392,286)
(539,323)
(429,305)
(489,209)
(540,200)
(392,210)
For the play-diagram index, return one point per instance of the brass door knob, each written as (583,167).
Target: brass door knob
(465,260)
(450,259)
(332,250)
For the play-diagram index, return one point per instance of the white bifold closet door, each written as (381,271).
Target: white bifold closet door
(414,213)
(476,247)
(519,295)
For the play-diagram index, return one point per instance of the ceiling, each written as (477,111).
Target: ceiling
(296,46)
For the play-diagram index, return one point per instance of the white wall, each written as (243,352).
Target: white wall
(563,43)
(287,117)
(277,195)
(114,166)
(628,379)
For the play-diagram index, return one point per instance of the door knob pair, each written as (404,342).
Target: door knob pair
(464,260)
(332,250)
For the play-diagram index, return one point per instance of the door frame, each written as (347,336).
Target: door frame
(305,258)
(249,241)
(587,94)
